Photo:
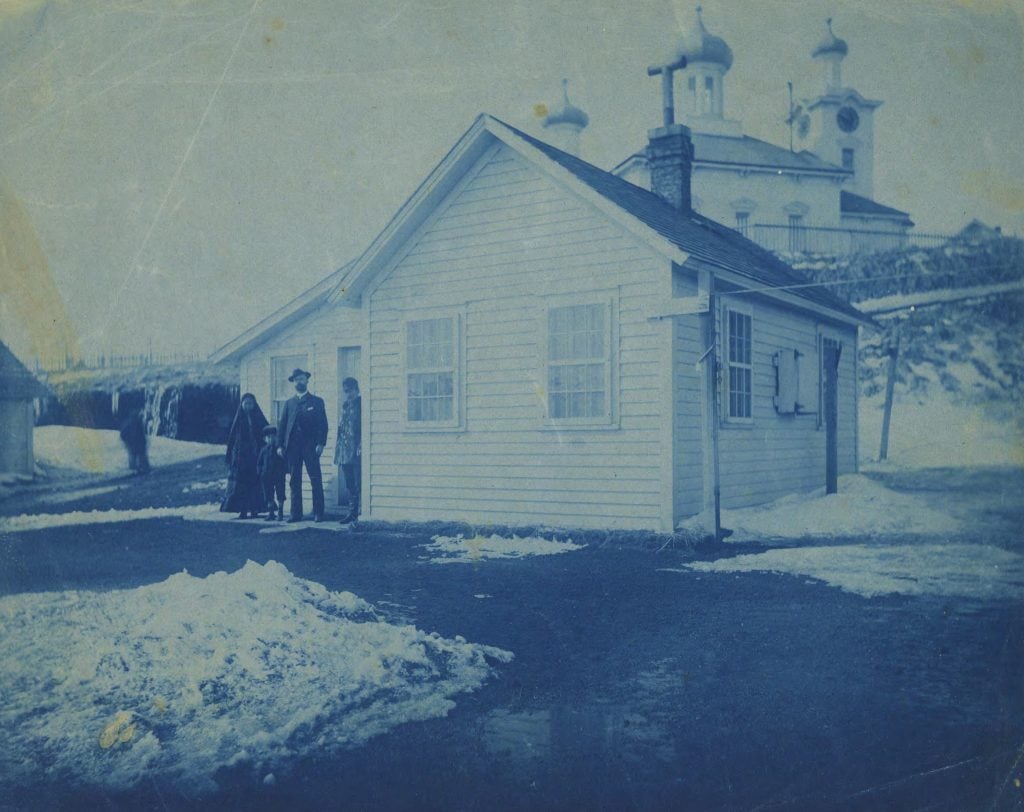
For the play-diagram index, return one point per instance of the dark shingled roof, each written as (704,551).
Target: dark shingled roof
(849,203)
(693,233)
(16,382)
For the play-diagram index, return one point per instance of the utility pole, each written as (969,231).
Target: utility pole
(890,385)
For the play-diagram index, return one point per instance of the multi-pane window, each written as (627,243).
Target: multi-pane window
(280,387)
(740,364)
(431,366)
(578,362)
(743,222)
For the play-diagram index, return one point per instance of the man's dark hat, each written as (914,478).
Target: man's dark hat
(296,372)
(269,430)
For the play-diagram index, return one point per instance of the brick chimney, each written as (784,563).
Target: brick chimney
(670,157)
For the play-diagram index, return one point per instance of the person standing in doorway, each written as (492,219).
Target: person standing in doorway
(302,435)
(348,450)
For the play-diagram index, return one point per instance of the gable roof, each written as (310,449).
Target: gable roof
(16,382)
(849,203)
(745,151)
(674,234)
(303,304)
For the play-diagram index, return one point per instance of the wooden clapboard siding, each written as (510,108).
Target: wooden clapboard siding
(779,454)
(510,241)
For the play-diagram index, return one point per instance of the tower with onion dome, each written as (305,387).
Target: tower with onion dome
(700,86)
(564,123)
(838,125)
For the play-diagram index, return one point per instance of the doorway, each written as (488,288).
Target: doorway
(350,365)
(831,351)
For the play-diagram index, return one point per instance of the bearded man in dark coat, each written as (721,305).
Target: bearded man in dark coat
(302,434)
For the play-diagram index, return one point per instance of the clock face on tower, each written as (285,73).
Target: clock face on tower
(847,119)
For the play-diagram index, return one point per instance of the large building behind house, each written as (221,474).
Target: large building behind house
(817,195)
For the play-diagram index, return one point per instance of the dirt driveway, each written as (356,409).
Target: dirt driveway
(636,683)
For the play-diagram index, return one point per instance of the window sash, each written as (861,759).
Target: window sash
(578,362)
(431,371)
(281,388)
(739,356)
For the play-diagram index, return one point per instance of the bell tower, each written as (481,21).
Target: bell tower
(838,125)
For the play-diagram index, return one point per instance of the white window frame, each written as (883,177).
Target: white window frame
(302,363)
(457,368)
(607,420)
(746,310)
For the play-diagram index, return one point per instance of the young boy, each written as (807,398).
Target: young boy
(270,469)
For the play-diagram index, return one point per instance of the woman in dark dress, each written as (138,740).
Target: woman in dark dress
(244,494)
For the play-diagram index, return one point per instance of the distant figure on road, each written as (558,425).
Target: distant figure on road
(133,435)
(302,433)
(348,449)
(270,468)
(244,494)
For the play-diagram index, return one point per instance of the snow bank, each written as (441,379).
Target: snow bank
(861,508)
(456,549)
(956,570)
(213,485)
(100,451)
(179,679)
(39,521)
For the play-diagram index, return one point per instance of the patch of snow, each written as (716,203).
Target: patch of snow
(179,679)
(213,485)
(862,507)
(39,521)
(82,493)
(100,451)
(973,571)
(937,431)
(457,549)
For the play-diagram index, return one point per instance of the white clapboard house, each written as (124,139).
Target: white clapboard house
(536,341)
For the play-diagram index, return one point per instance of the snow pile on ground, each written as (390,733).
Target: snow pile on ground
(935,431)
(213,485)
(180,679)
(62,497)
(457,549)
(40,521)
(955,570)
(862,507)
(100,451)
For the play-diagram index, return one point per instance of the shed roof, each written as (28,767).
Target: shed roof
(16,382)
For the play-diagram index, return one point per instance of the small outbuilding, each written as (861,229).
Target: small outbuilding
(18,390)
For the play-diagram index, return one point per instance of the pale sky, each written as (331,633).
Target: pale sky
(184,167)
